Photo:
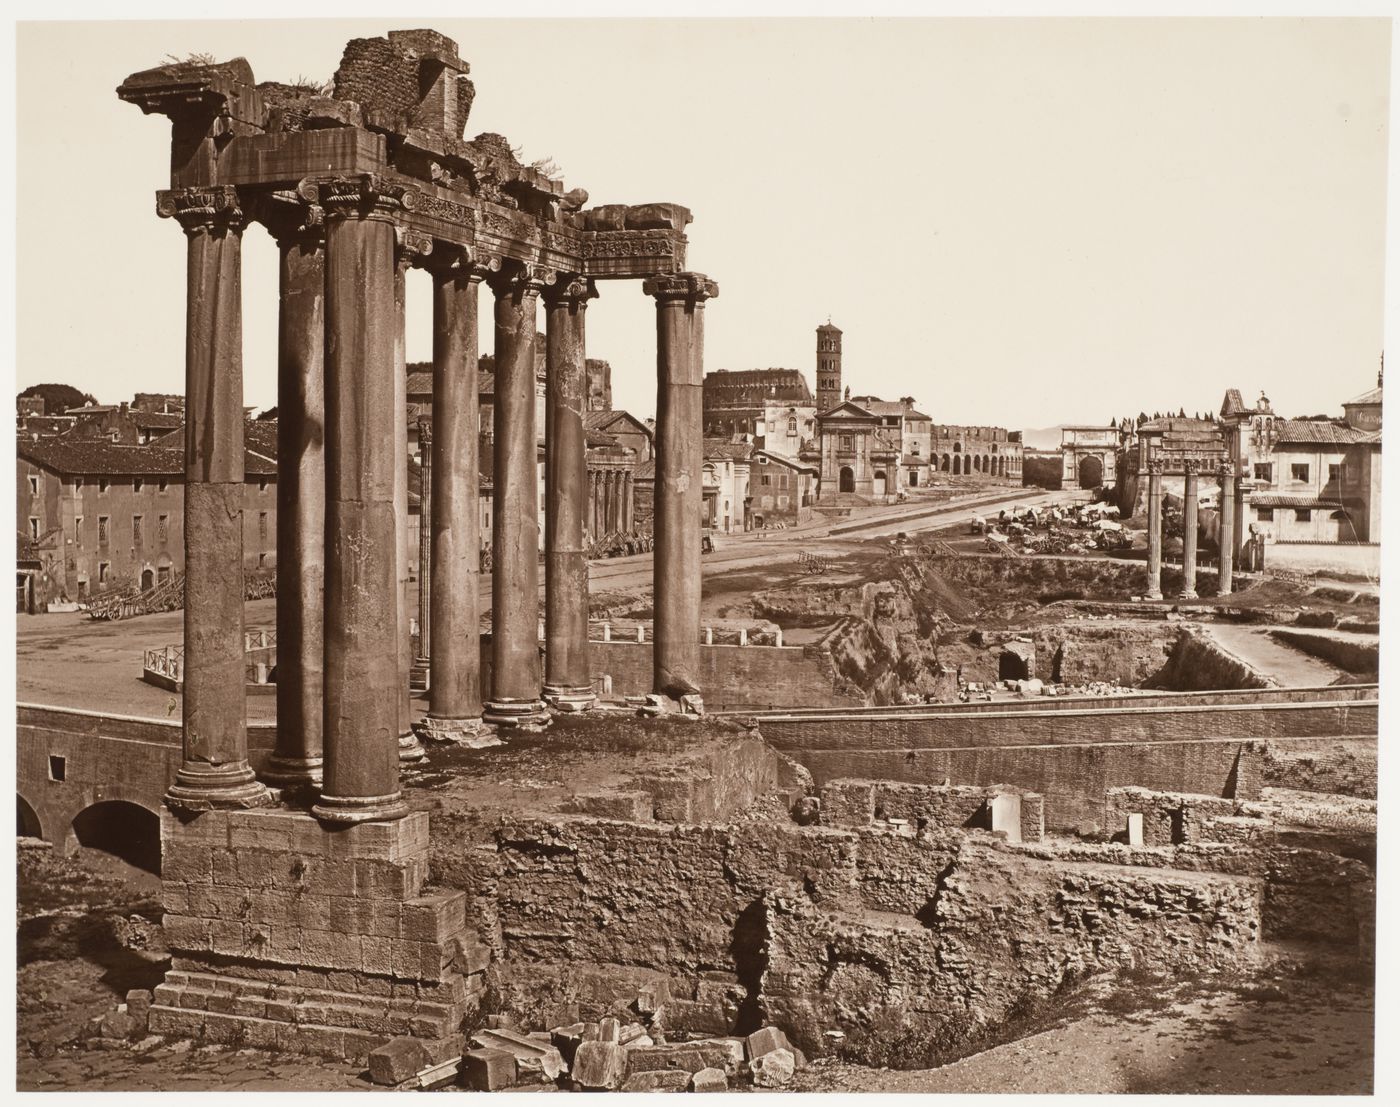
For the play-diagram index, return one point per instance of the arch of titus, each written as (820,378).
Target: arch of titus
(357,187)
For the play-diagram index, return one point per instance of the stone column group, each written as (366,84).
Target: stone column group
(1230,491)
(344,653)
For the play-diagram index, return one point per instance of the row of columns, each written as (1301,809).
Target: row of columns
(610,501)
(343,612)
(1230,515)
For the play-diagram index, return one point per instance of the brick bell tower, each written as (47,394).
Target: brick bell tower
(828,366)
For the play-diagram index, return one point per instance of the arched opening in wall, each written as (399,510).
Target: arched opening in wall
(947,462)
(1090,472)
(26,821)
(1012,666)
(880,484)
(148,579)
(848,479)
(123,829)
(986,464)
(976,464)
(1001,467)
(957,466)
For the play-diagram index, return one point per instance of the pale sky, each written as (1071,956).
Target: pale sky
(1018,222)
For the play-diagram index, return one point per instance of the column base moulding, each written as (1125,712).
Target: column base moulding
(410,749)
(418,675)
(1152,597)
(349,810)
(333,949)
(470,732)
(517,714)
(1189,594)
(570,700)
(292,773)
(233,788)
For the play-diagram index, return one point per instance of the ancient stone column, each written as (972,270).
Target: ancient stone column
(1154,529)
(214,772)
(1238,548)
(1227,527)
(1190,507)
(454,712)
(418,675)
(515,649)
(301,498)
(568,681)
(363,677)
(680,304)
(410,248)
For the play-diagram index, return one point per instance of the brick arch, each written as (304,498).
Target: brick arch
(29,823)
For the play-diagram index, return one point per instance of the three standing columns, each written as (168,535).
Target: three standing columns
(680,341)
(1154,529)
(1190,511)
(362,595)
(1228,488)
(214,771)
(515,648)
(568,681)
(454,684)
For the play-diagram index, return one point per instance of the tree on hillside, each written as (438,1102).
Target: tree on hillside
(58,398)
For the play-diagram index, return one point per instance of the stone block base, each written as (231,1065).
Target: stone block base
(472,733)
(289,935)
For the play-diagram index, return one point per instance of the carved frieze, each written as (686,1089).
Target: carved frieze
(628,244)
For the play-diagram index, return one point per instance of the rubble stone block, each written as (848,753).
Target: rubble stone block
(397,1060)
(689,1056)
(732,1050)
(117,1024)
(138,1006)
(488,1070)
(709,1080)
(599,1065)
(766,1040)
(773,1069)
(533,1059)
(609,1030)
(665,1080)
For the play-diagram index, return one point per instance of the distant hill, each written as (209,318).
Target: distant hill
(1046,438)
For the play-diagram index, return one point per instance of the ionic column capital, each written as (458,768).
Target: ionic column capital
(363,196)
(520,278)
(410,247)
(570,291)
(212,210)
(290,219)
(692,287)
(460,262)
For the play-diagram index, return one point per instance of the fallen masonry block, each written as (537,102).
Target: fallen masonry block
(731,1049)
(667,1080)
(397,1060)
(599,1066)
(634,1034)
(488,1070)
(766,1040)
(609,1030)
(534,1059)
(117,1024)
(709,1080)
(774,1069)
(686,1056)
(567,1039)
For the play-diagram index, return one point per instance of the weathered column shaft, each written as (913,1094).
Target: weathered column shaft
(680,303)
(515,651)
(568,683)
(455,684)
(301,509)
(1154,529)
(214,770)
(1227,529)
(362,599)
(409,747)
(425,540)
(1190,511)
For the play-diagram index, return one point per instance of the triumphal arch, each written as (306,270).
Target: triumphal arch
(358,184)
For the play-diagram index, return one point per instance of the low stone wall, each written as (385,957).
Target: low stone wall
(819,928)
(856,803)
(1356,656)
(1197,662)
